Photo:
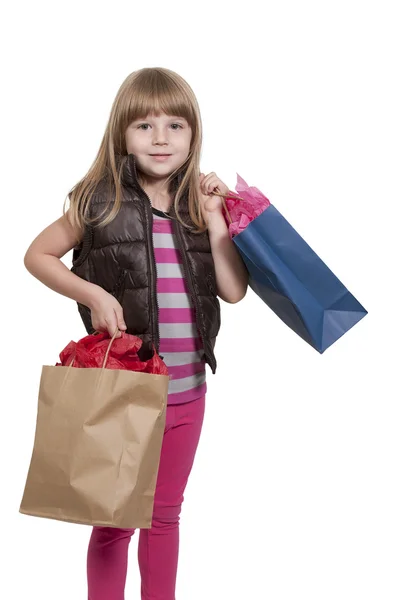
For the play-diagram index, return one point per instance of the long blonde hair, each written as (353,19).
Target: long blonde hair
(149,90)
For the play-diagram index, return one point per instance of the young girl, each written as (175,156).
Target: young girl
(151,253)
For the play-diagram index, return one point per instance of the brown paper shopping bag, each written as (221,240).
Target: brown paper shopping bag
(97,446)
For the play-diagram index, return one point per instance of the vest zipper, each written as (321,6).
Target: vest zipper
(191,286)
(152,262)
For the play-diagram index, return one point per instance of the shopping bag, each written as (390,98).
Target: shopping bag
(97,445)
(286,273)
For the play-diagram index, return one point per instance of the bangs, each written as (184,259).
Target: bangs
(159,94)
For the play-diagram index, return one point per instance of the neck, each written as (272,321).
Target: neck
(160,198)
(161,202)
(158,193)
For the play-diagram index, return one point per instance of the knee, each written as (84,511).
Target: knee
(107,534)
(166,515)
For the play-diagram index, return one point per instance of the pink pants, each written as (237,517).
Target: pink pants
(157,547)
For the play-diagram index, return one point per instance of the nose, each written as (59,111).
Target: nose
(160,137)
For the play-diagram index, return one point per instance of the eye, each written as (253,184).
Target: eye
(143,125)
(178,125)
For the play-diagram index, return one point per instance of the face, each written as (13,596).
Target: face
(165,135)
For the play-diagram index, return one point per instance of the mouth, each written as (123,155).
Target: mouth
(160,157)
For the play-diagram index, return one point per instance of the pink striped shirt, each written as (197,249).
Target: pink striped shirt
(180,344)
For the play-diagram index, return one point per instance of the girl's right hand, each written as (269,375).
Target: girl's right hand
(106,313)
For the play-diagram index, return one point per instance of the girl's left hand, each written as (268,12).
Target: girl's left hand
(210,204)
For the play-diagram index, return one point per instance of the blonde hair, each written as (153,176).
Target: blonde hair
(149,90)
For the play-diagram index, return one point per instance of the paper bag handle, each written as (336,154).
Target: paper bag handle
(222,196)
(107,351)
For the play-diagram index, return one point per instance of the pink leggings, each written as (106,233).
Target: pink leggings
(157,547)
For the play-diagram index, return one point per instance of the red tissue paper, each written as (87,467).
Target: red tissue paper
(89,352)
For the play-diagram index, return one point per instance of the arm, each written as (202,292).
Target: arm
(231,274)
(42,259)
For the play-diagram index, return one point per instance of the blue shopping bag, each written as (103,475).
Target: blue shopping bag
(294,282)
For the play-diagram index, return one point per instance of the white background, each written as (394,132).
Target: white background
(293,493)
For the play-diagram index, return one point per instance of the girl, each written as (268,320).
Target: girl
(151,253)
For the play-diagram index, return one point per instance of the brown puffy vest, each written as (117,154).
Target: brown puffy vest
(120,258)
